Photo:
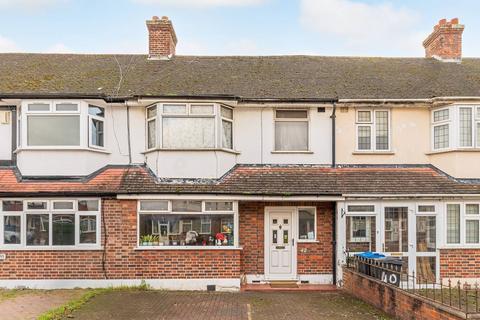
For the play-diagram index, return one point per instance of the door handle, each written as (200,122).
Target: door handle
(293,242)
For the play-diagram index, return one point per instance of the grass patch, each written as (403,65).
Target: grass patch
(63,311)
(6,294)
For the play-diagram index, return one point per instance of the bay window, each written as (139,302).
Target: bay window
(189,126)
(373,130)
(291,130)
(185,223)
(60,124)
(457,126)
(50,224)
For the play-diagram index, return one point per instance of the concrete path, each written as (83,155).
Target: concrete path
(30,304)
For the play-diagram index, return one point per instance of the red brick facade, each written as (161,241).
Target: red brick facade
(400,304)
(121,259)
(459,263)
(312,258)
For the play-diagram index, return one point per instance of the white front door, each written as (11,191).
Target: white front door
(280,244)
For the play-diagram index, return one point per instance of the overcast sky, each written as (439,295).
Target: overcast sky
(235,27)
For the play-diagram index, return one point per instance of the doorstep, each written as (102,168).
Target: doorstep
(274,287)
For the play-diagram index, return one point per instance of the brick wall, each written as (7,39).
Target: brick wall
(459,263)
(312,258)
(400,304)
(121,260)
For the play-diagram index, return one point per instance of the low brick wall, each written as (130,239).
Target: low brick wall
(460,263)
(395,302)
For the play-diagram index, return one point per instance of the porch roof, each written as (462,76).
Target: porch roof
(263,180)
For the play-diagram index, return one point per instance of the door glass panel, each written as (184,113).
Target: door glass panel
(274,221)
(426,269)
(426,234)
(396,229)
(274,236)
(285,236)
(285,221)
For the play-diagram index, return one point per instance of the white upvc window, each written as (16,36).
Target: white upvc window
(307,224)
(456,127)
(360,224)
(66,224)
(189,126)
(194,224)
(96,126)
(463,224)
(151,127)
(373,130)
(291,130)
(60,124)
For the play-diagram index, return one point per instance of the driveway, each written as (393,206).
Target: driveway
(169,305)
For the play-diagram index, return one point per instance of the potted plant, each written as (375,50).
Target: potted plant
(155,240)
(144,240)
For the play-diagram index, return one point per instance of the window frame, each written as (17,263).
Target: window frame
(454,131)
(203,212)
(216,115)
(51,212)
(221,119)
(372,124)
(314,221)
(147,121)
(307,120)
(84,124)
(90,124)
(373,215)
(463,225)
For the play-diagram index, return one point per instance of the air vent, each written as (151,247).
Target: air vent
(321,109)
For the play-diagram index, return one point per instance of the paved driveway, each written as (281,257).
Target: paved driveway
(169,305)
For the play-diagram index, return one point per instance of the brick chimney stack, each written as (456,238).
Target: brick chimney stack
(445,42)
(162,39)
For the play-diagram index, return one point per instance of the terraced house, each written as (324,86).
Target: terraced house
(196,171)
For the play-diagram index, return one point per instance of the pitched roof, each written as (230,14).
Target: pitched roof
(259,77)
(266,180)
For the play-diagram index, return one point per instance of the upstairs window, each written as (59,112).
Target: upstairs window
(457,126)
(291,130)
(96,121)
(373,130)
(53,124)
(187,126)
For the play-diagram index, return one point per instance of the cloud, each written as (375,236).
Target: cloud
(28,4)
(203,3)
(7,45)
(59,48)
(366,28)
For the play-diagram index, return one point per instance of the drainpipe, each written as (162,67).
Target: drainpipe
(334,142)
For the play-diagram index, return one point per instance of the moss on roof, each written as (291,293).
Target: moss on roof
(276,77)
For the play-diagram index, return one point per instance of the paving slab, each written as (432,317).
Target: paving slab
(163,305)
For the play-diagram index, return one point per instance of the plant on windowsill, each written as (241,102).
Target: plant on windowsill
(149,240)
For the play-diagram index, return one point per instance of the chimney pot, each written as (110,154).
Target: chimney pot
(162,39)
(445,42)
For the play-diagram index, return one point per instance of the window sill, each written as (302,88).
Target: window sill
(290,152)
(453,150)
(140,248)
(373,153)
(186,150)
(59,248)
(308,241)
(18,150)
(460,246)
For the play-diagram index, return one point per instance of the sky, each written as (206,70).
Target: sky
(235,27)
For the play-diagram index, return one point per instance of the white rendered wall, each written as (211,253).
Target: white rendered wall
(255,138)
